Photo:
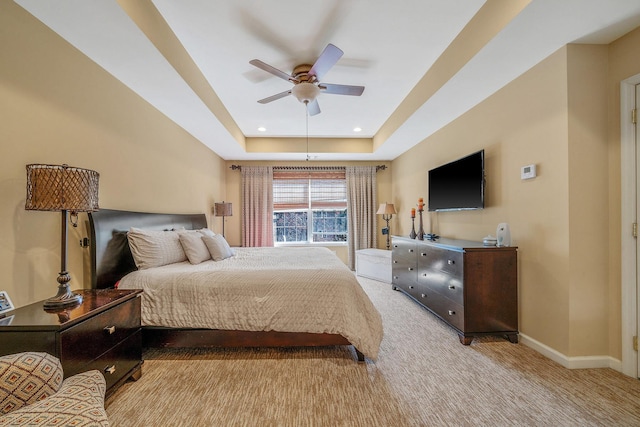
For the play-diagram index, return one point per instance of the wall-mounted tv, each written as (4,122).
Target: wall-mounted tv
(458,185)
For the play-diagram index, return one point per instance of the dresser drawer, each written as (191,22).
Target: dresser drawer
(119,361)
(448,286)
(89,339)
(448,310)
(404,274)
(438,259)
(404,251)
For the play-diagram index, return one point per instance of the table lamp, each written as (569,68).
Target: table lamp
(69,190)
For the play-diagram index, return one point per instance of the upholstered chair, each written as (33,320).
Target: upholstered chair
(33,392)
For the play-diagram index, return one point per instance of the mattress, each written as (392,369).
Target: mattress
(262,289)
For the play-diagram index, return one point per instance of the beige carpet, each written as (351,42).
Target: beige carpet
(423,377)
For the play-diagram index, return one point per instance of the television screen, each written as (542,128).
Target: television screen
(458,185)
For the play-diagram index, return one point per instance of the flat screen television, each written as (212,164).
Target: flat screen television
(458,185)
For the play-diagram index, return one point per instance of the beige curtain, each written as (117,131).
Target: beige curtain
(361,209)
(257,206)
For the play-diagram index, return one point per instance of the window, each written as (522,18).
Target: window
(309,206)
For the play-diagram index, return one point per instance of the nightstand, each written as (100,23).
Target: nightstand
(103,333)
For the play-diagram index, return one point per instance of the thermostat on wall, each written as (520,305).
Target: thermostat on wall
(528,172)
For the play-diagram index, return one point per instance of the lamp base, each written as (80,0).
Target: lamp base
(63,299)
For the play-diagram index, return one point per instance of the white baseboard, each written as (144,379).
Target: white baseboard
(579,362)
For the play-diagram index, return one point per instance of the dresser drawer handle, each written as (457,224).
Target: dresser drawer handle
(410,287)
(410,268)
(451,287)
(110,329)
(423,295)
(110,369)
(410,251)
(423,254)
(450,262)
(451,312)
(395,262)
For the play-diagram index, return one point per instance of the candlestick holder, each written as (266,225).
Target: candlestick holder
(421,229)
(413,228)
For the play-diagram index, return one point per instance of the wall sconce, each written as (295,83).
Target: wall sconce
(386,210)
(223,209)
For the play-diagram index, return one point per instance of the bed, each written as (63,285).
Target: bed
(259,297)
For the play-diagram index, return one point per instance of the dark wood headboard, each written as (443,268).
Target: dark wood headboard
(111,257)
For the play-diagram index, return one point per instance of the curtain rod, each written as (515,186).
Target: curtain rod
(378,167)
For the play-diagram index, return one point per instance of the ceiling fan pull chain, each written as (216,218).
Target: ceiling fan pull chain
(306,115)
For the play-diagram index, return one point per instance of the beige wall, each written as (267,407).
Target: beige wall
(562,115)
(233,225)
(58,107)
(524,123)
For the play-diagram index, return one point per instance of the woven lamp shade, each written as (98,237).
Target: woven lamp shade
(223,209)
(56,188)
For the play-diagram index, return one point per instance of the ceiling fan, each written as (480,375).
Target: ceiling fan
(306,80)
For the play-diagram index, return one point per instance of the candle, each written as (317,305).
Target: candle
(413,212)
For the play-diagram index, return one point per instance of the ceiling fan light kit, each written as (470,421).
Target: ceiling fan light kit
(305,92)
(306,80)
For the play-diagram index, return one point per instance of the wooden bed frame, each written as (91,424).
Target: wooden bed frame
(111,259)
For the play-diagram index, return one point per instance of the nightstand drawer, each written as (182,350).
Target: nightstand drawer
(119,361)
(89,339)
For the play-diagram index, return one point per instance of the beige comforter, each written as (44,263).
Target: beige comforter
(262,289)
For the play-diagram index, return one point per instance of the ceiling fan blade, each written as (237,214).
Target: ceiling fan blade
(269,69)
(327,59)
(313,108)
(341,89)
(275,97)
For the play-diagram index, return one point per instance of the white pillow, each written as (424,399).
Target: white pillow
(194,247)
(207,232)
(218,247)
(154,248)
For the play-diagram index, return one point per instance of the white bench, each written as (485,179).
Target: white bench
(374,264)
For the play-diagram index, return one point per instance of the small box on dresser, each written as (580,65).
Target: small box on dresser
(103,333)
(470,286)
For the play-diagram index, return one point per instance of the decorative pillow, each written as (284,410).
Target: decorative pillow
(194,247)
(26,378)
(154,248)
(207,232)
(218,247)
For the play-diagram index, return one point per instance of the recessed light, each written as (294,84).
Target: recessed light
(262,129)
(357,129)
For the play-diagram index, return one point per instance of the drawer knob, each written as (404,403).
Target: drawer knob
(410,269)
(395,262)
(410,250)
(110,369)
(451,312)
(423,254)
(110,329)
(450,262)
(423,295)
(410,287)
(451,287)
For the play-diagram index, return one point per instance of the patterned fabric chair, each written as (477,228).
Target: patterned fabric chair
(32,392)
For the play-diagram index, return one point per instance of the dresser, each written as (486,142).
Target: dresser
(473,288)
(102,333)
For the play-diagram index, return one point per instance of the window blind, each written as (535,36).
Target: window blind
(309,189)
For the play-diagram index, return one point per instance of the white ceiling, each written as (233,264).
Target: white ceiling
(201,77)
